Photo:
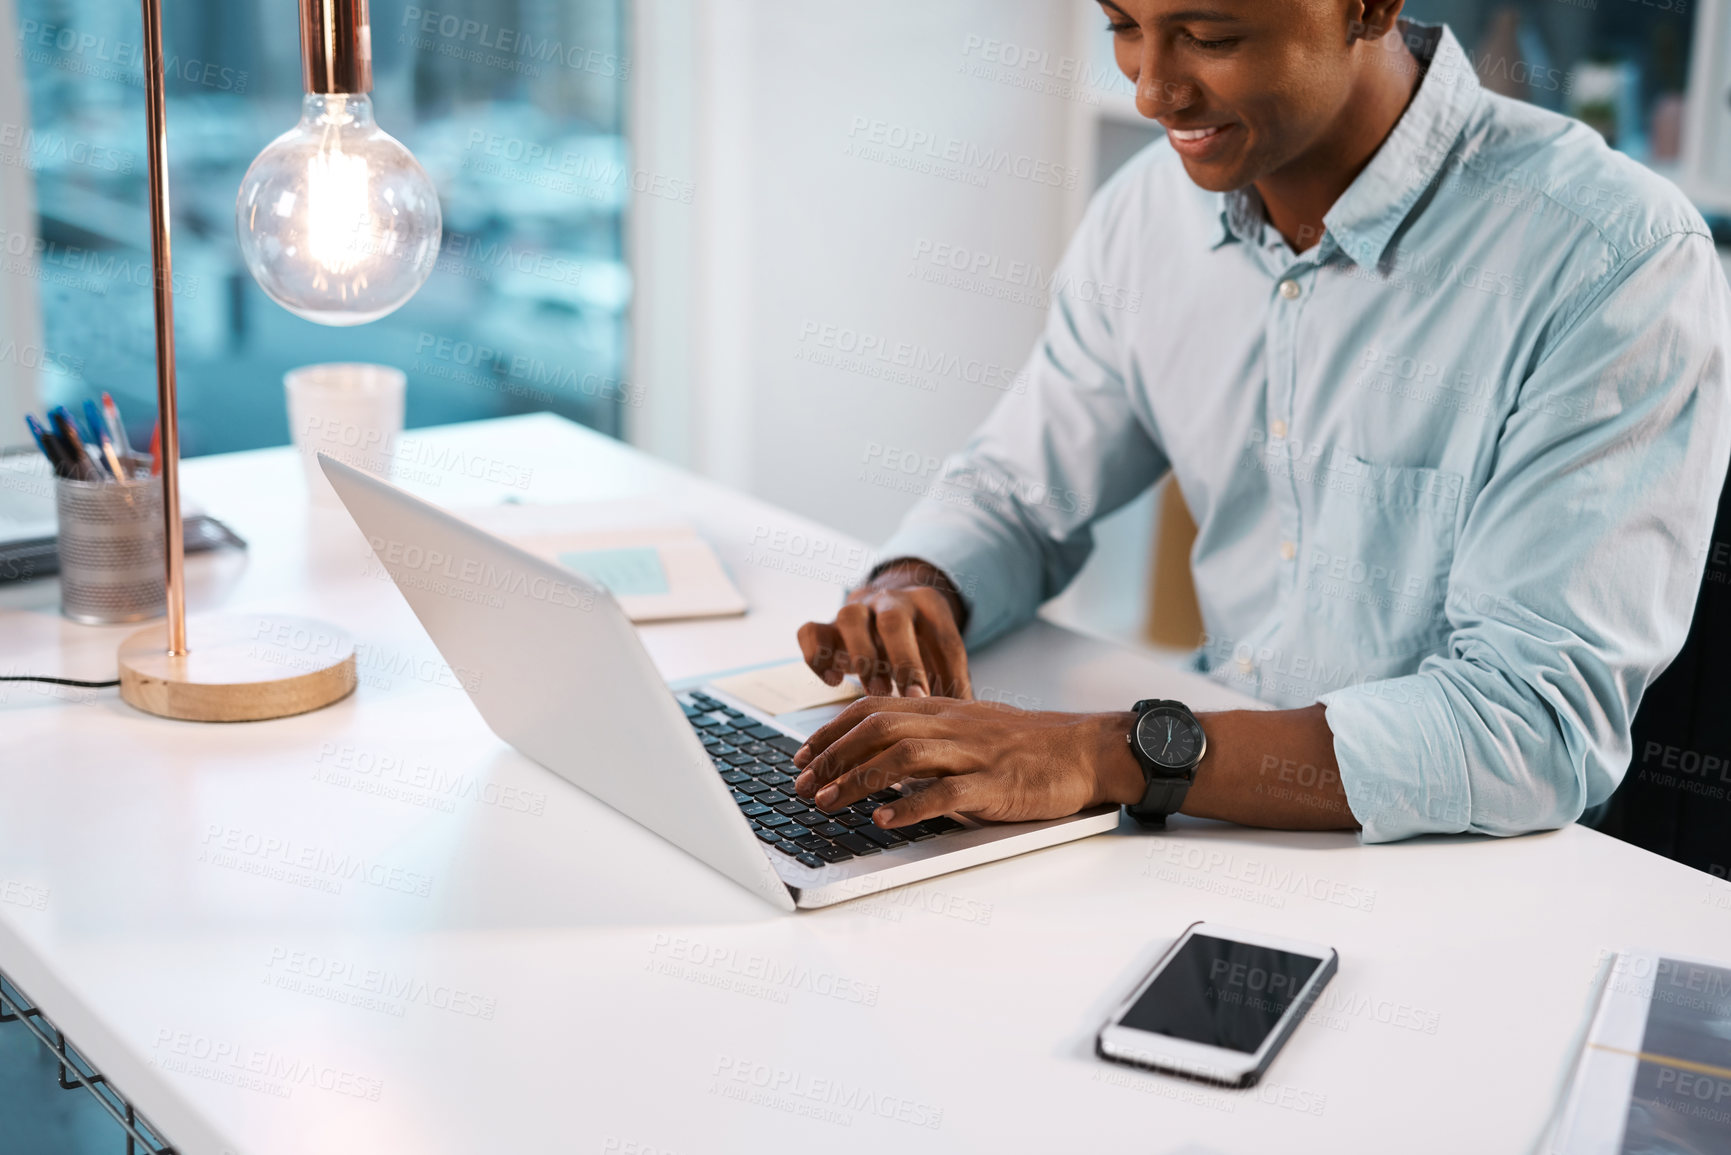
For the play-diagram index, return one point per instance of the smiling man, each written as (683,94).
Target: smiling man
(1445,383)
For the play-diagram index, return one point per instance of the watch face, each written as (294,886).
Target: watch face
(1169,738)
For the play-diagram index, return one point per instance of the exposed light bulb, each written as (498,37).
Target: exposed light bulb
(337,221)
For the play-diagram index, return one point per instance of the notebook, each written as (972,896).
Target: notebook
(656,565)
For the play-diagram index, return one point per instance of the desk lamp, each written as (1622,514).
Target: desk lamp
(340,225)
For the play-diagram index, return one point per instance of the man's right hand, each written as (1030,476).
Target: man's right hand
(904,627)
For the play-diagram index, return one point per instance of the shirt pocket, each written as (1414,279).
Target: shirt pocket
(1377,552)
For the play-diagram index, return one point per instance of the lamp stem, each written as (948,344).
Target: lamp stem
(162,265)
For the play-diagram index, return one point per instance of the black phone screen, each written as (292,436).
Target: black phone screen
(1222,993)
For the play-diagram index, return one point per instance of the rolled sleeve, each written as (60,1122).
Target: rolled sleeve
(1576,575)
(1380,727)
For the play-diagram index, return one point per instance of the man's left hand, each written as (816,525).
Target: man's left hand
(988,761)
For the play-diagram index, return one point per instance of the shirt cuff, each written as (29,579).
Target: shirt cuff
(1401,759)
(968,562)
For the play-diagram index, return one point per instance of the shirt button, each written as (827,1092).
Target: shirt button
(1287,549)
(1289,289)
(1246,665)
(1278,429)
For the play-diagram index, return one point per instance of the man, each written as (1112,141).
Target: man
(1444,381)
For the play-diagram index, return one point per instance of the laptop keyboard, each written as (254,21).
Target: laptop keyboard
(757,762)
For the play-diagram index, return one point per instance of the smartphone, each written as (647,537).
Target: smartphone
(1219,1005)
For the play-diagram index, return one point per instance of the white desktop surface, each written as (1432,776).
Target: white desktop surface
(571,983)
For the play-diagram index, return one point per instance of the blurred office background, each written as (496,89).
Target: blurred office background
(672,220)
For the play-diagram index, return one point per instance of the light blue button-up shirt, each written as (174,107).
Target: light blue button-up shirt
(1453,467)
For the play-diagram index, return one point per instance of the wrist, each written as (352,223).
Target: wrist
(912,572)
(1118,777)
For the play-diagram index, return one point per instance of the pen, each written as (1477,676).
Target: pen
(116,430)
(101,444)
(68,434)
(50,446)
(109,455)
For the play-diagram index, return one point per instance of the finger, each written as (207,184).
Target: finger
(873,733)
(821,643)
(876,733)
(950,795)
(938,632)
(854,622)
(902,759)
(895,623)
(855,713)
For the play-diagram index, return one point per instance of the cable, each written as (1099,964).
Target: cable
(57,681)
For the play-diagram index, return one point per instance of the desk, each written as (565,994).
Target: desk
(487,960)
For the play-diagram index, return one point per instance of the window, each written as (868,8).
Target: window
(1620,67)
(514,107)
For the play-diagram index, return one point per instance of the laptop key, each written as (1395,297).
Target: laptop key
(773,758)
(789,849)
(864,807)
(785,743)
(754,810)
(857,844)
(791,806)
(769,836)
(771,797)
(775,778)
(833,854)
(764,733)
(775,821)
(942,825)
(743,799)
(884,838)
(811,860)
(750,787)
(811,841)
(829,829)
(754,748)
(735,777)
(811,818)
(737,758)
(848,818)
(883,796)
(915,833)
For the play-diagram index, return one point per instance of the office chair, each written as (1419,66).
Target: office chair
(1675,799)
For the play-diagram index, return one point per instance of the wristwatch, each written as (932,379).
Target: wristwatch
(1168,742)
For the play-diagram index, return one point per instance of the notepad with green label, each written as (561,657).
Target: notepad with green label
(656,566)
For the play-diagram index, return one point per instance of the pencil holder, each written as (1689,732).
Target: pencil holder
(111,554)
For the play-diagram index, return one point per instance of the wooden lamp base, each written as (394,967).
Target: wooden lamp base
(241,668)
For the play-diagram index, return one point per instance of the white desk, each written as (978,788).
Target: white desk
(514,968)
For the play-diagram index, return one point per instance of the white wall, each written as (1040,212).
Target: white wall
(790,242)
(790,234)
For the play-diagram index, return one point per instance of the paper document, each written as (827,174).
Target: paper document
(786,688)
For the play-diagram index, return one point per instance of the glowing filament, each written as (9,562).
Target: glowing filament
(339,227)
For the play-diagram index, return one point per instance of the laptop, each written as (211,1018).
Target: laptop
(563,678)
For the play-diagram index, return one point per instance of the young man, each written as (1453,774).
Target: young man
(1445,383)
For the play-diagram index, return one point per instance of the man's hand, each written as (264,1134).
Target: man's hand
(1273,768)
(901,629)
(981,759)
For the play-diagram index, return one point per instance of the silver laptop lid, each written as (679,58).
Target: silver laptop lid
(563,677)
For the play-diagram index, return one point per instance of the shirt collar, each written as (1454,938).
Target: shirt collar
(1364,219)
